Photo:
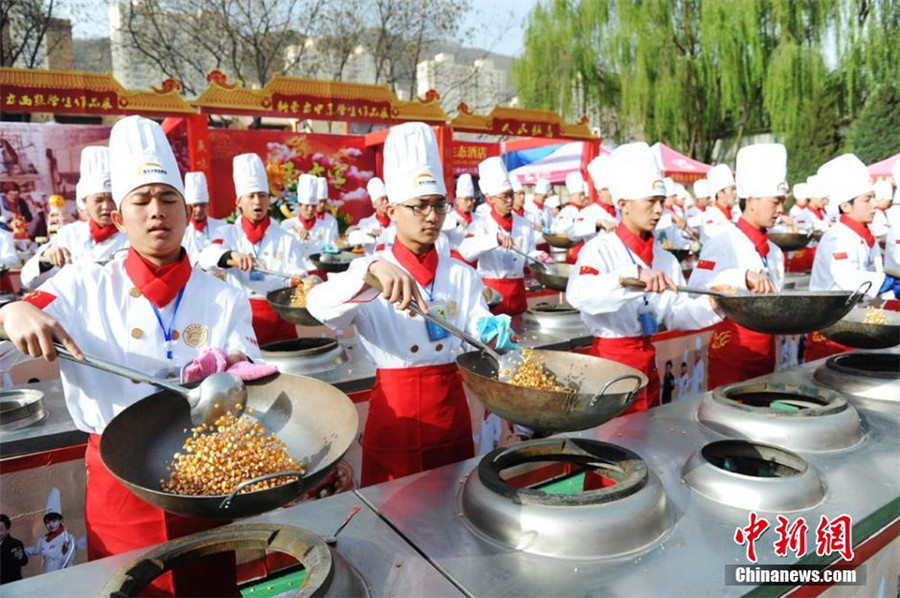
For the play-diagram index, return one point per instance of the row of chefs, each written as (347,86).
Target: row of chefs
(154,311)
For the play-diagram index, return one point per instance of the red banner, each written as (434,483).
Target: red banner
(39,99)
(501,126)
(465,155)
(304,106)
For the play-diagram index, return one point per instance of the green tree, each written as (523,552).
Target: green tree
(817,135)
(875,134)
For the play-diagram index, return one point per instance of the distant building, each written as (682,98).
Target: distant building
(480,83)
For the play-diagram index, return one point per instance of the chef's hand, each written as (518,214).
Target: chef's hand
(505,241)
(57,256)
(679,221)
(32,331)
(656,281)
(606,226)
(545,258)
(233,358)
(397,285)
(242,261)
(759,283)
(302,233)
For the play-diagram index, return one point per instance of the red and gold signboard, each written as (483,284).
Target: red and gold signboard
(465,155)
(29,99)
(502,126)
(519,122)
(349,110)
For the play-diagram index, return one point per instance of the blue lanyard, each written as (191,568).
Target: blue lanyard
(430,288)
(646,301)
(167,331)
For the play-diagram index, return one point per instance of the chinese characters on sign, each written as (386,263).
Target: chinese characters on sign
(524,129)
(467,154)
(25,99)
(300,106)
(834,536)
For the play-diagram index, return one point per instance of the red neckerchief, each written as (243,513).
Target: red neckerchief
(680,206)
(320,215)
(818,213)
(101,233)
(307,224)
(520,212)
(465,216)
(883,210)
(158,284)
(860,229)
(640,246)
(199,225)
(611,210)
(422,267)
(759,238)
(505,223)
(255,232)
(50,536)
(384,221)
(539,204)
(725,212)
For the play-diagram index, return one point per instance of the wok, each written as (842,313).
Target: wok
(280,300)
(790,241)
(852,331)
(680,254)
(561,241)
(333,262)
(554,276)
(315,420)
(604,389)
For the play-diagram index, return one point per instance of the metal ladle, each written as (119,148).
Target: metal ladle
(543,267)
(259,268)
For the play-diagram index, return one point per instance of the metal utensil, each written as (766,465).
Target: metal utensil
(639,284)
(561,241)
(333,262)
(258,268)
(280,300)
(556,278)
(332,539)
(540,265)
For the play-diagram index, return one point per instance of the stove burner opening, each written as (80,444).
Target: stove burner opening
(876,365)
(779,401)
(754,460)
(563,478)
(309,346)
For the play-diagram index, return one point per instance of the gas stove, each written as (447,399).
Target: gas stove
(304,356)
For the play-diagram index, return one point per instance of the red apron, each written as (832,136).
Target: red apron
(117,521)
(637,352)
(737,354)
(800,260)
(418,420)
(268,325)
(572,253)
(818,347)
(513,292)
(457,255)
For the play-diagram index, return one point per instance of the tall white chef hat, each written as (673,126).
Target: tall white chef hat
(492,176)
(574,182)
(517,186)
(883,190)
(249,175)
(669,184)
(635,173)
(307,190)
(816,186)
(598,170)
(542,187)
(701,188)
(464,186)
(801,191)
(94,173)
(412,163)
(54,502)
(762,170)
(376,189)
(140,154)
(321,188)
(845,177)
(680,192)
(719,177)
(195,189)
(552,201)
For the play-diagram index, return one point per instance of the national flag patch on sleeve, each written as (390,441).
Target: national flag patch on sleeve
(839,256)
(218,241)
(470,235)
(588,270)
(706,265)
(39,299)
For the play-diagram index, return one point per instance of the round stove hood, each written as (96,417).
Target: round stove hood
(870,376)
(547,317)
(302,356)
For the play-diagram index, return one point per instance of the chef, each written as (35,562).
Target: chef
(151,312)
(418,417)
(722,189)
(313,232)
(375,232)
(622,318)
(323,214)
(883,194)
(601,215)
(203,230)
(745,259)
(694,214)
(518,196)
(96,239)
(535,208)
(804,219)
(57,546)
(457,222)
(672,229)
(564,222)
(490,237)
(801,200)
(254,240)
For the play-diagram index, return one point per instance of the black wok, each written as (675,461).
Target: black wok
(280,300)
(333,262)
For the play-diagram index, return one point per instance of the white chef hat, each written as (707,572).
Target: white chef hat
(516,185)
(94,173)
(376,189)
(680,191)
(542,187)
(307,190)
(54,502)
(598,170)
(719,177)
(140,154)
(552,201)
(249,174)
(635,173)
(574,182)
(883,190)
(845,177)
(464,186)
(701,188)
(321,188)
(492,176)
(412,163)
(669,184)
(801,191)
(762,170)
(195,189)
(816,186)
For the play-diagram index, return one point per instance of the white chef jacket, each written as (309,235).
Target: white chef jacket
(324,232)
(844,262)
(610,310)
(879,225)
(483,209)
(892,248)
(564,222)
(795,212)
(667,230)
(455,227)
(277,250)
(726,259)
(8,256)
(98,307)
(76,237)
(52,551)
(392,338)
(585,223)
(694,216)
(807,220)
(540,217)
(371,235)
(697,378)
(481,244)
(195,241)
(714,223)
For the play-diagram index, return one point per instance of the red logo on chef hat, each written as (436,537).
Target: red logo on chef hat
(146,168)
(107,184)
(782,188)
(424,179)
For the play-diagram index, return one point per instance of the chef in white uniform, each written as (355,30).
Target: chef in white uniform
(9,258)
(58,545)
(622,318)
(695,213)
(883,195)
(375,232)
(800,191)
(457,222)
(717,218)
(601,215)
(92,240)
(564,223)
(672,229)
(314,234)
(202,230)
(322,212)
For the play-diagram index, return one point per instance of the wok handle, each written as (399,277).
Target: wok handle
(515,249)
(859,293)
(639,284)
(232,264)
(634,391)
(225,504)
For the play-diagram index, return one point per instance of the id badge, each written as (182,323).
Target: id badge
(435,332)
(257,276)
(647,320)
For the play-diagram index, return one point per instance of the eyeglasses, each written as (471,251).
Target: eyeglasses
(424,209)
